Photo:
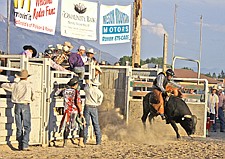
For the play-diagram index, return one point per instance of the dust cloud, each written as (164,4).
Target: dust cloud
(114,127)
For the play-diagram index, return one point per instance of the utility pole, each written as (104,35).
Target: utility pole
(8,27)
(165,51)
(174,31)
(200,50)
(136,38)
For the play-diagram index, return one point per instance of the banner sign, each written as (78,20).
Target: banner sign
(36,15)
(79,19)
(114,24)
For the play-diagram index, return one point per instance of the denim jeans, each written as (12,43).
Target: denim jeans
(23,124)
(213,118)
(80,71)
(92,112)
(221,118)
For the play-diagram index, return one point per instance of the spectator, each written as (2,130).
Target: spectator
(221,107)
(117,64)
(103,62)
(22,96)
(93,99)
(73,115)
(29,51)
(76,63)
(136,65)
(90,56)
(98,72)
(192,91)
(67,46)
(213,101)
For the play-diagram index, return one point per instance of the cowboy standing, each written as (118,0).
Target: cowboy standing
(22,96)
(213,101)
(221,106)
(160,87)
(93,99)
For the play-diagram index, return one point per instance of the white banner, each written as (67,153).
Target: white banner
(36,15)
(114,24)
(79,19)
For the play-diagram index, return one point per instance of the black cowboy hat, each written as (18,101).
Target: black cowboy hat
(73,81)
(29,47)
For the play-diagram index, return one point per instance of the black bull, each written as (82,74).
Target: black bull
(176,111)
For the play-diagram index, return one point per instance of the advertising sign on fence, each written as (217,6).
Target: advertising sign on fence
(36,15)
(79,19)
(114,24)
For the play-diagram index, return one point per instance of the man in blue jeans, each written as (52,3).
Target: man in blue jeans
(22,95)
(221,106)
(93,99)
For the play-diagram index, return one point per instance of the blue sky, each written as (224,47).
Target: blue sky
(158,18)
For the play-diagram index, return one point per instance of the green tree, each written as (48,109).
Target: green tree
(124,59)
(157,61)
(222,74)
(214,75)
(187,68)
(208,74)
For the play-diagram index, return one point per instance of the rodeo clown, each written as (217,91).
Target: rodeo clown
(73,119)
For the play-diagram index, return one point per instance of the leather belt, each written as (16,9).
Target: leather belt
(92,106)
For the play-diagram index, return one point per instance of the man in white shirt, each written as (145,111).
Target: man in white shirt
(93,99)
(22,96)
(213,101)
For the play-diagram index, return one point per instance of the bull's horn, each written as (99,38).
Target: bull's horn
(187,116)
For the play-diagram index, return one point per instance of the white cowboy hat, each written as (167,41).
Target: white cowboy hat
(220,88)
(90,51)
(95,82)
(59,46)
(81,48)
(67,43)
(215,87)
(97,67)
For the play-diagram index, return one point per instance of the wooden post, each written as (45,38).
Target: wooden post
(136,38)
(165,51)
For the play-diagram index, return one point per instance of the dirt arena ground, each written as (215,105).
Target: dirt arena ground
(122,142)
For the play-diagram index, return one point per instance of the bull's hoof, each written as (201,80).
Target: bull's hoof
(178,137)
